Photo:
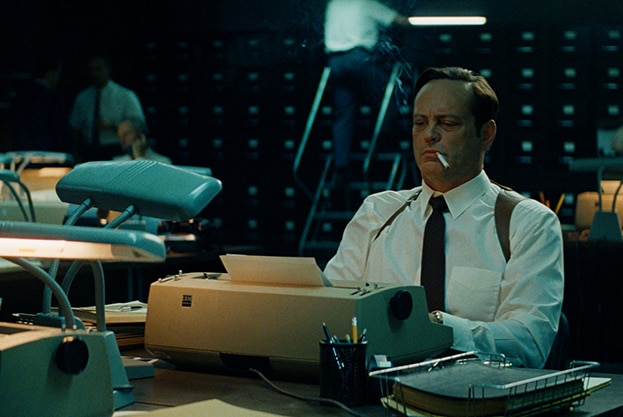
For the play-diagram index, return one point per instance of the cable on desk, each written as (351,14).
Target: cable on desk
(306,398)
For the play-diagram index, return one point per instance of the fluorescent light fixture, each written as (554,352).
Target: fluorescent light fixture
(447,20)
(50,241)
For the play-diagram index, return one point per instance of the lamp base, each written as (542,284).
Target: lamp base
(605,227)
(44,372)
(122,389)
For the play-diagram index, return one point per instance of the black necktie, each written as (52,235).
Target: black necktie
(433,271)
(95,135)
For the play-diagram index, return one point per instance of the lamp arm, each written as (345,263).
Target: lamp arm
(17,199)
(125,215)
(616,195)
(46,303)
(99,286)
(54,287)
(31,206)
(68,279)
(100,295)
(79,211)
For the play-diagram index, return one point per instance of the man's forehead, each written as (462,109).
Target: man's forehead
(444,96)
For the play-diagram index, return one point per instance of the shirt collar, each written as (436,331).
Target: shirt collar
(460,198)
(109,84)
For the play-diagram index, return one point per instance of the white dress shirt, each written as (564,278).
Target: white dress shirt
(492,306)
(353,23)
(117,103)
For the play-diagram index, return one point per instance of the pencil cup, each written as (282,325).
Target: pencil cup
(343,372)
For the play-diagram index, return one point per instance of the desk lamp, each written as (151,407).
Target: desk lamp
(138,187)
(66,371)
(19,160)
(144,187)
(141,187)
(9,177)
(5,160)
(606,225)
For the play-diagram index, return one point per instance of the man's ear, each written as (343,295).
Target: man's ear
(488,132)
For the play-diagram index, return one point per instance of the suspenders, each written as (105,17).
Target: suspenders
(504,205)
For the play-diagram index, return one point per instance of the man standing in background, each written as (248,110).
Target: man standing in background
(98,110)
(351,37)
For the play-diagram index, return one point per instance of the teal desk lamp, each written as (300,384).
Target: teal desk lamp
(138,187)
(65,371)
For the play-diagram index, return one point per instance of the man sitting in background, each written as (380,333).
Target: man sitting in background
(134,143)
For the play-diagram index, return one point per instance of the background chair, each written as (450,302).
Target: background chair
(558,356)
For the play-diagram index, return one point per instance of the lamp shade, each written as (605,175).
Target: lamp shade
(153,188)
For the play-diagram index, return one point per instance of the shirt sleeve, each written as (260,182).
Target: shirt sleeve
(531,293)
(76,116)
(351,259)
(132,106)
(383,14)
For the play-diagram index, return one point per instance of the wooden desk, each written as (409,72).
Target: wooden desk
(172,387)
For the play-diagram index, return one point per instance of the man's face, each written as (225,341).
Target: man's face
(99,72)
(443,122)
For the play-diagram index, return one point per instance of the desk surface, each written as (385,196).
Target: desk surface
(172,387)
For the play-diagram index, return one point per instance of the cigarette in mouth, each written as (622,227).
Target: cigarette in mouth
(443,161)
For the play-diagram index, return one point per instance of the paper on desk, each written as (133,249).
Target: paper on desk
(200,409)
(117,313)
(274,270)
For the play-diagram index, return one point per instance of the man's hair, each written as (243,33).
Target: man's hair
(485,103)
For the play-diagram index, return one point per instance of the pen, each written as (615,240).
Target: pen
(336,356)
(363,335)
(354,331)
(327,333)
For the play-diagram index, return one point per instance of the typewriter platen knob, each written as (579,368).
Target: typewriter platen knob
(401,304)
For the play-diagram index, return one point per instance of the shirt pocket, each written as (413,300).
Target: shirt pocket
(473,293)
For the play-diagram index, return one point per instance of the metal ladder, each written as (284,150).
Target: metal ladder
(325,221)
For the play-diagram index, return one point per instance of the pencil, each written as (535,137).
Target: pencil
(559,204)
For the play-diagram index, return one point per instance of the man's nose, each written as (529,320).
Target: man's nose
(433,133)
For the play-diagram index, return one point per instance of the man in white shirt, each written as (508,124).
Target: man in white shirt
(96,124)
(351,35)
(493,305)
